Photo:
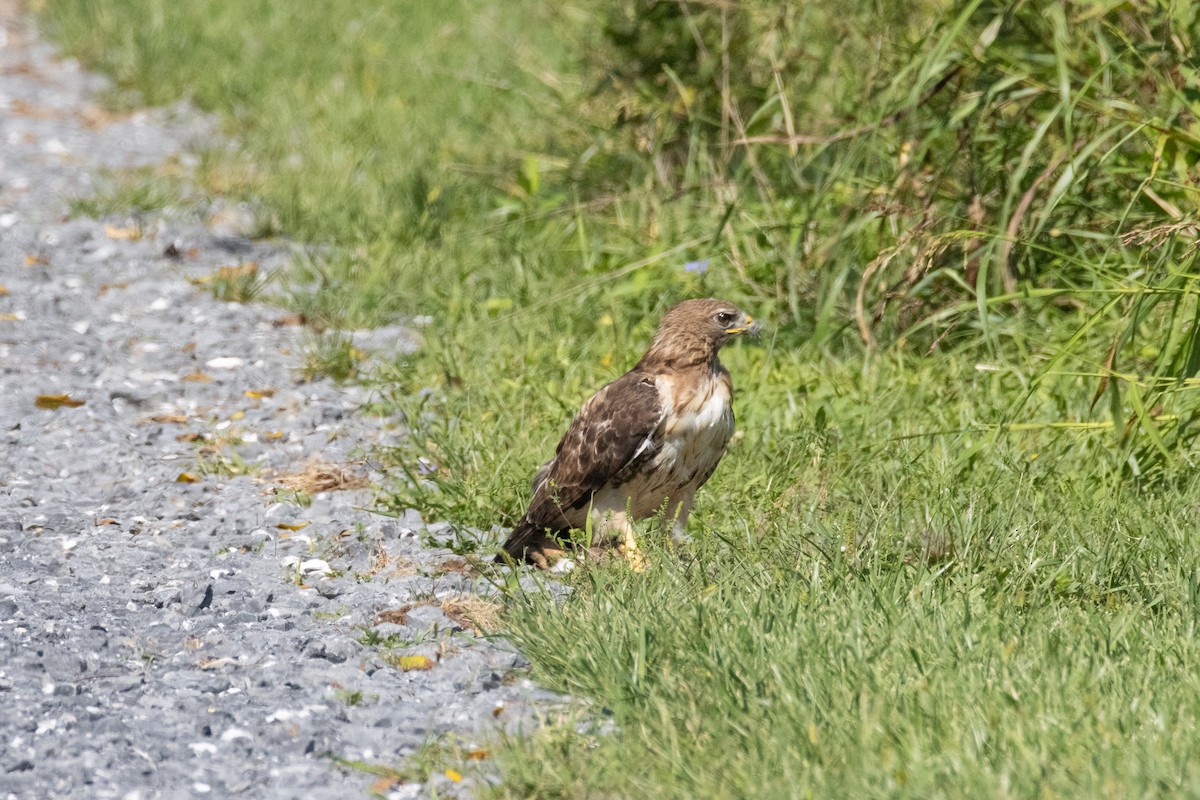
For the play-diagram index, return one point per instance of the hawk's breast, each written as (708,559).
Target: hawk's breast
(687,446)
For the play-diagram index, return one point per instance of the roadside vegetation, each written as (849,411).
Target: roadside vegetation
(954,551)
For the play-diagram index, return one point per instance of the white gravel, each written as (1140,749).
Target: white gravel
(166,638)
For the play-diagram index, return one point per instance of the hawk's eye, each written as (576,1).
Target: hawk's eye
(724,319)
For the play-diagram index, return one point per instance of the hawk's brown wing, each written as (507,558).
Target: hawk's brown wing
(614,428)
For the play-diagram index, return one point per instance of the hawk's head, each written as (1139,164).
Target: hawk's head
(695,330)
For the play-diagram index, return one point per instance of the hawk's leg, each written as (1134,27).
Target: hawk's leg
(545,552)
(679,534)
(615,526)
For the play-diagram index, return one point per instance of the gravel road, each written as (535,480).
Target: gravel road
(170,624)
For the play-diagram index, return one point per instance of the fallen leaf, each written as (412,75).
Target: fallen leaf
(33,261)
(478,755)
(410,663)
(384,785)
(284,526)
(106,521)
(9,318)
(190,347)
(168,419)
(52,401)
(259,394)
(239,271)
(96,118)
(274,436)
(454,775)
(289,319)
(186,477)
(217,663)
(197,377)
(105,287)
(123,234)
(238,415)
(396,616)
(3,290)
(190,436)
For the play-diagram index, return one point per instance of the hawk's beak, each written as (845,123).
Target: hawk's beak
(748,326)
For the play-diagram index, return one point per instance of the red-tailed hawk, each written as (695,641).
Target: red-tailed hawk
(643,444)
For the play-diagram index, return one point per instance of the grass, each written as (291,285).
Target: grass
(140,191)
(953,553)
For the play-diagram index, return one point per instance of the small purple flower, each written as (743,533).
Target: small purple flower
(697,267)
(425,467)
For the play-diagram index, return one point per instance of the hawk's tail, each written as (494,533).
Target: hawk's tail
(526,540)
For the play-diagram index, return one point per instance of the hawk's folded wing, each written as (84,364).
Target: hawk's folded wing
(612,432)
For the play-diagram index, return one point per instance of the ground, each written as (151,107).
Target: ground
(185,608)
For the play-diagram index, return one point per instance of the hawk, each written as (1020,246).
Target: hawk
(643,444)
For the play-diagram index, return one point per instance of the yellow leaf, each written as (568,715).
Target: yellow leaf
(259,394)
(238,415)
(52,401)
(478,755)
(454,775)
(274,436)
(283,526)
(197,377)
(239,271)
(9,318)
(3,290)
(409,663)
(33,261)
(124,234)
(186,477)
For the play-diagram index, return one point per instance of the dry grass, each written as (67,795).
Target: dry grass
(321,476)
(474,613)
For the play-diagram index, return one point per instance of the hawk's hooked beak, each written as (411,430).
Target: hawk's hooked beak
(748,326)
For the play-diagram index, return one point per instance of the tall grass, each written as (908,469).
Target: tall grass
(953,553)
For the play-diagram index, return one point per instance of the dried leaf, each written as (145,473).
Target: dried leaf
(186,477)
(384,785)
(238,415)
(396,616)
(105,287)
(106,521)
(9,318)
(168,419)
(52,401)
(197,377)
(274,436)
(217,663)
(288,320)
(3,290)
(123,234)
(410,663)
(191,436)
(284,526)
(259,394)
(478,755)
(454,775)
(34,261)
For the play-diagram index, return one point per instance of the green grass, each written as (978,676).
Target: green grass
(139,191)
(954,553)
